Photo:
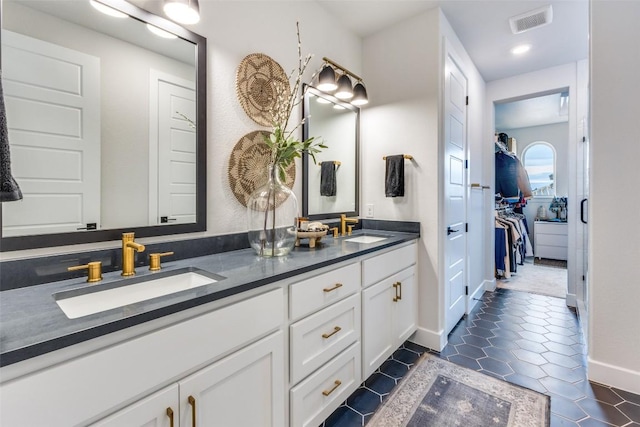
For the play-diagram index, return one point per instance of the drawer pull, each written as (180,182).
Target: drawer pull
(338,285)
(192,402)
(398,287)
(170,415)
(335,331)
(336,384)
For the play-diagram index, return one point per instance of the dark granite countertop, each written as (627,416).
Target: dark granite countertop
(32,323)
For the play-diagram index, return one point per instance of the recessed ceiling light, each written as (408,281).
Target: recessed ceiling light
(107,10)
(519,50)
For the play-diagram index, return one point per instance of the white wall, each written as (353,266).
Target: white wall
(614,341)
(403,66)
(522,86)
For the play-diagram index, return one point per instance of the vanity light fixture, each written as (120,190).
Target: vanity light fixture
(183,11)
(359,95)
(107,10)
(344,89)
(161,33)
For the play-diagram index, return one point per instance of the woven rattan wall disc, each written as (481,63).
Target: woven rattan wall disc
(248,166)
(257,79)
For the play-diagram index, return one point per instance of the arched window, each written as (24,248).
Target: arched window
(539,159)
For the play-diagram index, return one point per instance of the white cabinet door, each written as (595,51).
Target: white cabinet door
(157,410)
(377,330)
(244,389)
(389,317)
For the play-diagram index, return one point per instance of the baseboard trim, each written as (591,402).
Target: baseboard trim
(490,285)
(614,376)
(572,300)
(430,339)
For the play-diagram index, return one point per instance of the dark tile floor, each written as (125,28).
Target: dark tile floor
(527,339)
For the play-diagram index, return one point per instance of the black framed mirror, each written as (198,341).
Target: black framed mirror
(108,129)
(337,123)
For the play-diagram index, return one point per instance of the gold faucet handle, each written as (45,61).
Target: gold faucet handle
(94,269)
(335,231)
(349,229)
(154,260)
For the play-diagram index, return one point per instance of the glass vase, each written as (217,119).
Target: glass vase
(272,210)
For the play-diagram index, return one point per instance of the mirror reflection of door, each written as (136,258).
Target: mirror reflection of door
(54,130)
(172,150)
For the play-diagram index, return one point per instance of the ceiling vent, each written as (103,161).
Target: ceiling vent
(532,19)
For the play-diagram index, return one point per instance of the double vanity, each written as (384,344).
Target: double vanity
(224,339)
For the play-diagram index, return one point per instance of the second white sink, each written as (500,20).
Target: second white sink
(95,299)
(367,238)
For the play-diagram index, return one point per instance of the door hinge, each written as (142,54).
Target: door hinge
(467,101)
(466,164)
(584,139)
(466,290)
(583,277)
(466,227)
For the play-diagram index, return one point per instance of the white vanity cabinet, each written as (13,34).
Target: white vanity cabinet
(243,389)
(389,307)
(87,388)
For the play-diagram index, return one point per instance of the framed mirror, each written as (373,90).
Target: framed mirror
(107,123)
(337,123)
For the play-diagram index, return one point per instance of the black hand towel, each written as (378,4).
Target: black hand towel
(328,179)
(9,189)
(394,176)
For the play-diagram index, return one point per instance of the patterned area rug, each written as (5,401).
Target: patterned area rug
(440,393)
(537,279)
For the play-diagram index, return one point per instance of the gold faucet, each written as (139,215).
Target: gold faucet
(128,246)
(343,223)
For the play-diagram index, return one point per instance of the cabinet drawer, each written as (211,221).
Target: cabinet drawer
(552,252)
(314,399)
(312,294)
(382,266)
(551,228)
(319,337)
(90,386)
(551,240)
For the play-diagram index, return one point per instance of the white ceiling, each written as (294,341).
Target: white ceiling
(483,28)
(537,111)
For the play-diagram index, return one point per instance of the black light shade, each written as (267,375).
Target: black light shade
(327,79)
(344,91)
(359,95)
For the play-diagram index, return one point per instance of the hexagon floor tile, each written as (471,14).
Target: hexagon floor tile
(527,339)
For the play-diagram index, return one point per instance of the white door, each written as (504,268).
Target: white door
(377,327)
(52,96)
(455,134)
(158,410)
(405,312)
(172,150)
(244,389)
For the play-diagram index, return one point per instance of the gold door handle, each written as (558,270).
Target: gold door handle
(338,285)
(398,288)
(335,331)
(170,415)
(192,402)
(336,384)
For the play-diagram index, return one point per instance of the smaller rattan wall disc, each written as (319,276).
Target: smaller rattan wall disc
(257,79)
(248,166)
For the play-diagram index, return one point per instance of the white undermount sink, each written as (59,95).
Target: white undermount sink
(367,238)
(97,298)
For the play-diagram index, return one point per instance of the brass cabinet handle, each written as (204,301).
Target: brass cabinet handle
(192,402)
(398,288)
(336,384)
(338,285)
(335,331)
(170,415)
